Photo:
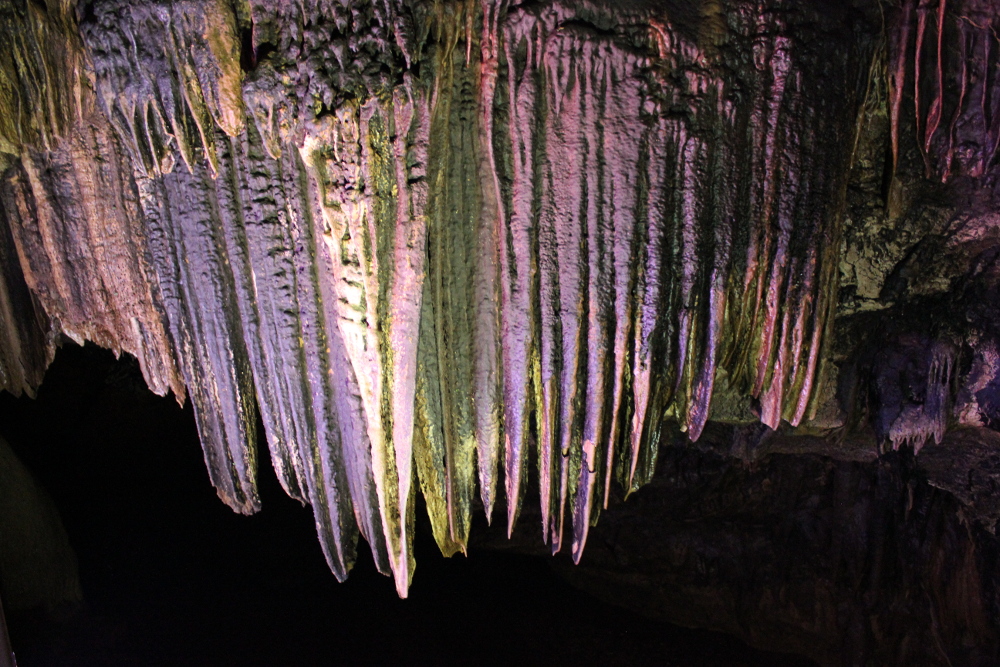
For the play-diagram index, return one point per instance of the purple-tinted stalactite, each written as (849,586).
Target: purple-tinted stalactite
(945,67)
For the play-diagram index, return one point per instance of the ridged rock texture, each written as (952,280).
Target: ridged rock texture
(437,245)
(943,60)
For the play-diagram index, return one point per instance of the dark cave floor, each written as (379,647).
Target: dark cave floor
(173,577)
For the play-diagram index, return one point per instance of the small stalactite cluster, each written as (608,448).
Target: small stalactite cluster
(915,382)
(915,425)
(431,245)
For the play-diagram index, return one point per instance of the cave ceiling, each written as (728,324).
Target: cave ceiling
(464,249)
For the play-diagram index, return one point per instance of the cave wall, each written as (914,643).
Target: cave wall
(885,561)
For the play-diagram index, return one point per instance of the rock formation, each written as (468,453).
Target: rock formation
(440,244)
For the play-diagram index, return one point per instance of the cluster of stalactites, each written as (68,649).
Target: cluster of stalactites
(546,242)
(916,424)
(74,244)
(944,54)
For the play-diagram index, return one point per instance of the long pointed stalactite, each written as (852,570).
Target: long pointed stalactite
(436,245)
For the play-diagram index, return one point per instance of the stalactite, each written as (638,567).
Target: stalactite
(456,363)
(432,243)
(369,166)
(916,423)
(183,223)
(955,69)
(166,77)
(71,202)
(897,75)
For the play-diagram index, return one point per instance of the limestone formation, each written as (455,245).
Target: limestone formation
(445,246)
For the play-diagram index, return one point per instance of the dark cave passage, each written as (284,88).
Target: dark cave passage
(171,576)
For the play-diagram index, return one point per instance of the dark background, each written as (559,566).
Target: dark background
(171,576)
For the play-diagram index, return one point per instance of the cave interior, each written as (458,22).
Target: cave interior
(661,332)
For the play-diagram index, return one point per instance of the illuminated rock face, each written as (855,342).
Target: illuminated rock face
(436,244)
(943,59)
